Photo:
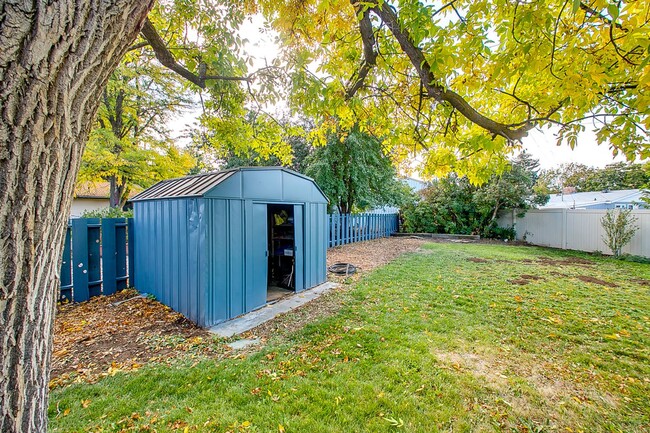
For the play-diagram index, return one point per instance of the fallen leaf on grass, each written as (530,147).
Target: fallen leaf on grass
(395,422)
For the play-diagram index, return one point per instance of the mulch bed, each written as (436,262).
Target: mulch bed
(97,338)
(100,337)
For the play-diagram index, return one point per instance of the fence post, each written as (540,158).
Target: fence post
(109,251)
(374,226)
(366,228)
(329,231)
(564,229)
(338,229)
(130,242)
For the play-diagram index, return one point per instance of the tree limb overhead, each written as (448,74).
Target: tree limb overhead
(166,58)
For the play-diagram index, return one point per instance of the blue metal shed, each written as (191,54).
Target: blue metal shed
(217,245)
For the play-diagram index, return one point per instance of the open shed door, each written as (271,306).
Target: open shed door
(256,297)
(299,251)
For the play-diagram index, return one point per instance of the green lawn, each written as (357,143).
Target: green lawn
(432,342)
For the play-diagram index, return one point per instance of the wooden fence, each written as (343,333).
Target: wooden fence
(97,258)
(349,228)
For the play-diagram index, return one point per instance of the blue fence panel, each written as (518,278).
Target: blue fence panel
(97,258)
(348,228)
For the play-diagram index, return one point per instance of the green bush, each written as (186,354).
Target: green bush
(503,233)
(108,212)
(619,229)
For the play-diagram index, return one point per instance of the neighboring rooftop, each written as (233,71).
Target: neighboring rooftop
(582,200)
(98,190)
(415,184)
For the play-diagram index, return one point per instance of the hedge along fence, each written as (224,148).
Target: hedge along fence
(348,228)
(97,258)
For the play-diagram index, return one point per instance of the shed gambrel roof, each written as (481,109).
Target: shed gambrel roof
(201,184)
(188,186)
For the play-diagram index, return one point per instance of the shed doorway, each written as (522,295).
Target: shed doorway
(281,245)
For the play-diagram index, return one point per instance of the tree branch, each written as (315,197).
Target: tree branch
(602,17)
(166,58)
(439,92)
(369,53)
(138,46)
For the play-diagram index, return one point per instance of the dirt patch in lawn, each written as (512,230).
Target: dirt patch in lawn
(501,373)
(641,282)
(519,282)
(101,336)
(531,277)
(593,280)
(569,261)
(476,260)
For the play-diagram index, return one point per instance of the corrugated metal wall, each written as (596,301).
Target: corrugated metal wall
(226,289)
(196,255)
(575,229)
(171,251)
(315,244)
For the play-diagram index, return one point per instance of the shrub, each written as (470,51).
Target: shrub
(619,229)
(503,233)
(107,212)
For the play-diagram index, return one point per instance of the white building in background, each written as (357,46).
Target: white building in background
(88,197)
(617,199)
(415,184)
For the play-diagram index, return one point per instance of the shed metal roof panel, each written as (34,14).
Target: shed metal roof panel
(190,186)
(201,184)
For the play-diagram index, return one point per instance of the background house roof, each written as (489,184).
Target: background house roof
(98,190)
(590,198)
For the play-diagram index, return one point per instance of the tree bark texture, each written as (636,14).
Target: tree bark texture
(55,59)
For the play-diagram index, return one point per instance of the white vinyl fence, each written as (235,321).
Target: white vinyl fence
(575,229)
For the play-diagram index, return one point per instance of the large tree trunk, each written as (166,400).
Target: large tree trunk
(55,58)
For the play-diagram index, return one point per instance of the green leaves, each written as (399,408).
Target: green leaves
(130,145)
(354,172)
(511,61)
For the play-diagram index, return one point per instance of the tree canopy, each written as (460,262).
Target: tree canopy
(354,173)
(131,144)
(584,178)
(459,82)
(453,205)
(465,80)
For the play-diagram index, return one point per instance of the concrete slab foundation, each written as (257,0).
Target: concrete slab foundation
(255,318)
